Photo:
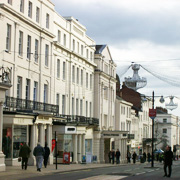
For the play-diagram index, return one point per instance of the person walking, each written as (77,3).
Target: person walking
(39,154)
(134,157)
(128,157)
(113,156)
(24,153)
(149,157)
(168,158)
(144,156)
(118,154)
(46,154)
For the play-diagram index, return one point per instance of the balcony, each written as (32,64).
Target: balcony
(75,120)
(17,104)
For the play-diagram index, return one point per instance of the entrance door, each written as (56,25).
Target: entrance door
(106,149)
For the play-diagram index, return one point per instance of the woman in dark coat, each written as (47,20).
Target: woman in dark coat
(46,155)
(134,157)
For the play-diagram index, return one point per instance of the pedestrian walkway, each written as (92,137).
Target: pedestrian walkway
(16,173)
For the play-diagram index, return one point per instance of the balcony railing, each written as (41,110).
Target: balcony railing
(74,119)
(17,104)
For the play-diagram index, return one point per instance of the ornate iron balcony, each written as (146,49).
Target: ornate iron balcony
(77,120)
(16,104)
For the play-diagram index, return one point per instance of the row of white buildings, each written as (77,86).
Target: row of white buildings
(64,83)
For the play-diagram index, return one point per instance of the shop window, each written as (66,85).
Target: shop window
(19,136)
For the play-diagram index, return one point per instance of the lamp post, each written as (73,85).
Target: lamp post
(152,162)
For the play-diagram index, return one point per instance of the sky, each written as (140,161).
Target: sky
(146,32)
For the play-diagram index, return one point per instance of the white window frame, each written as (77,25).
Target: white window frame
(58,68)
(64,42)
(87,76)
(77,77)
(59,36)
(57,99)
(45,99)
(73,74)
(63,104)
(27,95)
(64,70)
(22,6)
(30,6)
(37,14)
(8,38)
(20,51)
(35,91)
(36,51)
(46,55)
(19,87)
(29,47)
(77,106)
(47,20)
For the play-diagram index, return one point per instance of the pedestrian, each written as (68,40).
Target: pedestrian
(110,156)
(149,157)
(168,158)
(144,156)
(39,154)
(46,154)
(118,154)
(134,157)
(24,153)
(128,157)
(113,156)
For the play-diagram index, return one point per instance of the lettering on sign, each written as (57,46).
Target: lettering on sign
(111,134)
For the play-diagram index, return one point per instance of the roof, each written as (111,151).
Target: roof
(99,49)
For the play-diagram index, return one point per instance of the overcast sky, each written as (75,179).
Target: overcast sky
(143,31)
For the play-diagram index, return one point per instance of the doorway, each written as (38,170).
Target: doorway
(106,149)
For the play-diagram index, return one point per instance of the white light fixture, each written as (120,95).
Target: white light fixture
(135,82)
(171,105)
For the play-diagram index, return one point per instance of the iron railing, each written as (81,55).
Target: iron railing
(16,104)
(74,119)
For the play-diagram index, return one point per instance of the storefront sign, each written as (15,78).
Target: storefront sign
(66,157)
(111,134)
(70,130)
(53,144)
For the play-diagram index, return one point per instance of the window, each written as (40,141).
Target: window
(164,131)
(90,109)
(91,56)
(22,6)
(86,80)
(87,53)
(36,50)
(45,93)
(27,89)
(8,38)
(29,47)
(35,91)
(30,9)
(47,55)
(20,43)
(77,76)
(72,106)
(105,92)
(58,68)
(77,106)
(63,104)
(64,70)
(73,74)
(47,21)
(82,48)
(86,108)
(57,99)
(19,87)
(59,36)
(64,40)
(81,107)
(10,2)
(81,77)
(37,14)
(77,47)
(164,120)
(73,45)
(90,81)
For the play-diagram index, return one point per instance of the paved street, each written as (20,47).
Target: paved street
(93,172)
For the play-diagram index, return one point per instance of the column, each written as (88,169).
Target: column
(75,148)
(49,142)
(83,145)
(79,147)
(42,135)
(31,160)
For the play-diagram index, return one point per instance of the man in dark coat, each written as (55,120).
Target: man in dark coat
(46,154)
(118,154)
(24,153)
(168,157)
(113,155)
(39,154)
